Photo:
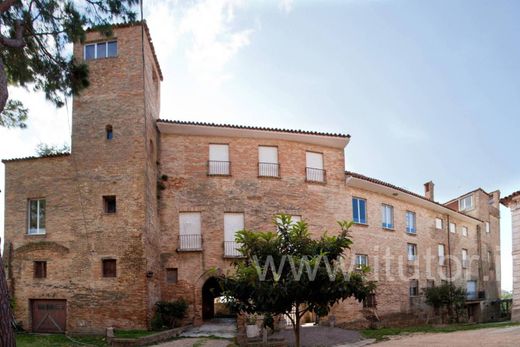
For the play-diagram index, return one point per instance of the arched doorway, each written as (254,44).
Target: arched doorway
(213,305)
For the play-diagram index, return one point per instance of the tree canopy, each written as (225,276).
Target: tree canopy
(288,271)
(35,51)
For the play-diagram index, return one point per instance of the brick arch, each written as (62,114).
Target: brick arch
(41,246)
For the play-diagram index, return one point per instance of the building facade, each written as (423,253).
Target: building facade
(513,202)
(145,209)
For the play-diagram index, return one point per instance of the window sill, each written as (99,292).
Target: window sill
(361,224)
(219,175)
(35,235)
(188,250)
(100,59)
(270,177)
(411,234)
(388,229)
(316,182)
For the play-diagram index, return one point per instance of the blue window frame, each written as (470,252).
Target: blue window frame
(387,213)
(410,222)
(359,210)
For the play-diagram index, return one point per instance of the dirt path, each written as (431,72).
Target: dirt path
(198,342)
(496,337)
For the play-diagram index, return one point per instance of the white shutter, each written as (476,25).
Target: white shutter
(189,223)
(440,251)
(268,154)
(218,152)
(315,160)
(438,223)
(233,222)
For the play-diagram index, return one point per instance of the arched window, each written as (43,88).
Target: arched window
(109,131)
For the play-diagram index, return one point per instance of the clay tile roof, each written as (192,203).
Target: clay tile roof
(147,31)
(234,126)
(505,201)
(389,185)
(59,155)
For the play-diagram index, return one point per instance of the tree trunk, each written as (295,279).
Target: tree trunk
(296,327)
(4,93)
(7,337)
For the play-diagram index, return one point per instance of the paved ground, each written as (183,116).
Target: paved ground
(496,337)
(314,336)
(219,327)
(198,342)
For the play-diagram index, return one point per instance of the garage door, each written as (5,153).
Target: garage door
(49,316)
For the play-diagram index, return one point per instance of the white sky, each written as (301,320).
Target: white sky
(427,90)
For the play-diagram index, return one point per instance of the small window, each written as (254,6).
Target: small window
(466,203)
(410,222)
(109,203)
(190,231)
(314,171)
(233,222)
(361,260)
(412,252)
(370,301)
(100,50)
(109,132)
(438,223)
(387,216)
(453,228)
(109,268)
(430,283)
(414,287)
(359,210)
(464,231)
(487,227)
(172,275)
(40,269)
(36,216)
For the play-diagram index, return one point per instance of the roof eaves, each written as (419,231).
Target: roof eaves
(59,155)
(389,185)
(507,200)
(246,127)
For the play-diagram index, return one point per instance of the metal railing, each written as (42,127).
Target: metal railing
(471,295)
(219,168)
(190,242)
(268,169)
(315,175)
(231,249)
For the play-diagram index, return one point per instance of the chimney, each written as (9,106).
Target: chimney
(428,190)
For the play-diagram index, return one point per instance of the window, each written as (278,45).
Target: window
(464,231)
(471,290)
(218,164)
(412,252)
(109,203)
(268,161)
(466,203)
(453,228)
(40,269)
(190,231)
(487,227)
(233,222)
(171,275)
(361,260)
(438,223)
(387,216)
(359,210)
(109,132)
(440,254)
(410,222)
(100,50)
(109,268)
(295,219)
(430,283)
(464,258)
(414,287)
(36,217)
(314,171)
(370,301)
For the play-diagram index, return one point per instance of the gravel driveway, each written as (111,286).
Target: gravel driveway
(495,337)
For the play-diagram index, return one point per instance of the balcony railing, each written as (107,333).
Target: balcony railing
(315,175)
(231,249)
(191,242)
(219,168)
(268,169)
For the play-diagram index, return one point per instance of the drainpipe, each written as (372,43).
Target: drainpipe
(449,247)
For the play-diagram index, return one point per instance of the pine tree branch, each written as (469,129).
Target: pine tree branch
(6,5)
(18,41)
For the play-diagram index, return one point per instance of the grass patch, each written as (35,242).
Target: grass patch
(380,334)
(133,334)
(34,340)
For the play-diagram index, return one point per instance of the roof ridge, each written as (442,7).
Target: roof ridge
(250,127)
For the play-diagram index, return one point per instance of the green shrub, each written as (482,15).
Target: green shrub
(169,313)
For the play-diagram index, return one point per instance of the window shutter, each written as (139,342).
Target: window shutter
(189,223)
(314,160)
(233,222)
(268,154)
(218,152)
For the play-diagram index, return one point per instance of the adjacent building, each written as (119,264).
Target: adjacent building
(513,202)
(145,209)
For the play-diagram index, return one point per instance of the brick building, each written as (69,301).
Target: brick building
(145,209)
(513,202)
